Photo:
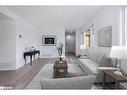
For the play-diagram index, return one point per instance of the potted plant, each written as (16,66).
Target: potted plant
(60,51)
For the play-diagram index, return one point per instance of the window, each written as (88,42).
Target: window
(87,39)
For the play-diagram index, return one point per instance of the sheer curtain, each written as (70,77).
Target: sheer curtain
(125,26)
(92,37)
(83,39)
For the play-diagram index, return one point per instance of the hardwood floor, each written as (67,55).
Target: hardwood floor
(19,79)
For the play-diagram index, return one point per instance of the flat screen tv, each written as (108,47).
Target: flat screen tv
(49,40)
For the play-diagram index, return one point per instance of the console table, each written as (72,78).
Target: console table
(31,53)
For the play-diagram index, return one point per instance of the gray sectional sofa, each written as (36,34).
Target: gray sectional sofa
(93,61)
(90,65)
(83,82)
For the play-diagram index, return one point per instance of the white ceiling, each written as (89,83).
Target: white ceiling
(70,17)
(4,17)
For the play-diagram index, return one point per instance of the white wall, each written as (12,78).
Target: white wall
(30,36)
(78,42)
(108,16)
(51,51)
(7,44)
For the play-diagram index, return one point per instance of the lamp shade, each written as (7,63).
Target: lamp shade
(119,52)
(82,47)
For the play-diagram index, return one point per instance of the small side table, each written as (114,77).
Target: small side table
(60,69)
(117,78)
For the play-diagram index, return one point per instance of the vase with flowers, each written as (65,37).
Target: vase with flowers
(60,51)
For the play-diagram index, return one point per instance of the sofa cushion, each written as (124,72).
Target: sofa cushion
(84,82)
(101,55)
(91,65)
(113,62)
(104,61)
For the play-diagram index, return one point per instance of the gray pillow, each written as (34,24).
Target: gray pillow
(113,62)
(104,61)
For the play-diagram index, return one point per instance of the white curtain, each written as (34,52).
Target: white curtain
(83,38)
(125,26)
(92,37)
(83,42)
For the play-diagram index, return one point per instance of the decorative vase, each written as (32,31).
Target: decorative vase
(61,59)
(61,62)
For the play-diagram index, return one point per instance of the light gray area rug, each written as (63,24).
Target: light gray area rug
(47,73)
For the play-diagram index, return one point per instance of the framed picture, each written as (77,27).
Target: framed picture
(49,40)
(105,37)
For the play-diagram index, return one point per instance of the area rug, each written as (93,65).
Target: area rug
(47,73)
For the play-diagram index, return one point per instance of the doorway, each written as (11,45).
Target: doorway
(87,39)
(70,43)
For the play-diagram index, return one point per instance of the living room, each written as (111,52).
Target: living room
(44,28)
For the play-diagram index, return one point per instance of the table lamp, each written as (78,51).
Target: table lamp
(118,52)
(82,47)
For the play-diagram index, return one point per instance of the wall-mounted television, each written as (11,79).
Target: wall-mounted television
(49,40)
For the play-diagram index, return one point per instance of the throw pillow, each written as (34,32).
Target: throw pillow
(104,61)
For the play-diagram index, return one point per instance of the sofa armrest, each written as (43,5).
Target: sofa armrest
(105,68)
